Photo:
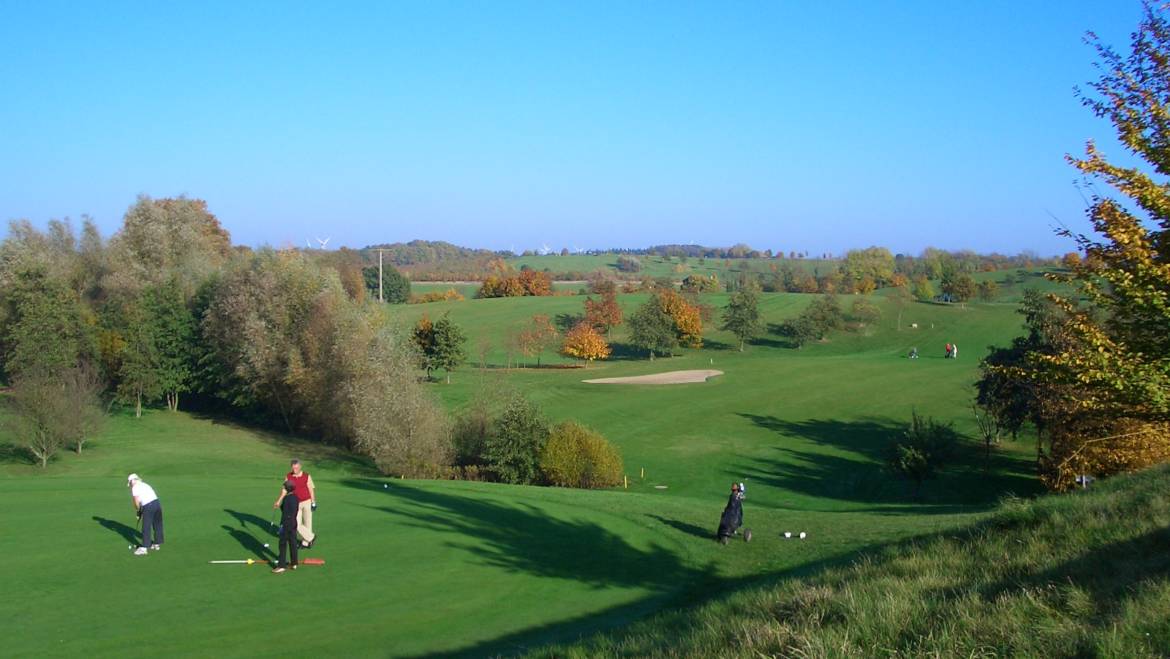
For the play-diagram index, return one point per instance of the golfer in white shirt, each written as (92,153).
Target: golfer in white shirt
(149,510)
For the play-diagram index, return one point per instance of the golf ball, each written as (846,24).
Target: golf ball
(266,544)
(787,534)
(385,486)
(129,546)
(802,535)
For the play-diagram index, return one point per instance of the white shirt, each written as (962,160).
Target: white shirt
(143,492)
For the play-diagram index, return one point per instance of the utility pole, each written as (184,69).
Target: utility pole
(380,298)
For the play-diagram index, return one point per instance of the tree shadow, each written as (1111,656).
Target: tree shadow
(853,466)
(766,342)
(128,533)
(685,527)
(13,454)
(711,344)
(315,453)
(249,542)
(1110,573)
(521,538)
(627,352)
(784,332)
(265,525)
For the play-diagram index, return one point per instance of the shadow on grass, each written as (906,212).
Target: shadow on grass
(685,527)
(13,454)
(521,538)
(249,542)
(317,454)
(128,533)
(267,526)
(852,467)
(1131,563)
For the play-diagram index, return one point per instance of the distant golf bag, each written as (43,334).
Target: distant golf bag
(732,517)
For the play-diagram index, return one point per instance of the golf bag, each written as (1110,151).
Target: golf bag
(732,517)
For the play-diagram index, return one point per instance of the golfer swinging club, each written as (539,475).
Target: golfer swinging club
(149,510)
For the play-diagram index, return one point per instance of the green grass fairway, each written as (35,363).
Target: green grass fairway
(420,567)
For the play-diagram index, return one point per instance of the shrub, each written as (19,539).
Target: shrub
(576,456)
(922,451)
(512,449)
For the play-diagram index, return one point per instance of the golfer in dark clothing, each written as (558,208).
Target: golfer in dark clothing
(288,529)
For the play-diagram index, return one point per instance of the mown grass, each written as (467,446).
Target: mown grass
(1080,575)
(441,567)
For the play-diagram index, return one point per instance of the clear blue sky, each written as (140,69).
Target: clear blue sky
(788,125)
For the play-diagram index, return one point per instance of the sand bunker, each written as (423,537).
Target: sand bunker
(670,377)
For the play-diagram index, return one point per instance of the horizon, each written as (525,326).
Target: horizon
(782,127)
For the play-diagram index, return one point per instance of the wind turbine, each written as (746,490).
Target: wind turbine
(324,243)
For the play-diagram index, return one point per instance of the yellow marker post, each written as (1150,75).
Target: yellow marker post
(643,472)
(626,480)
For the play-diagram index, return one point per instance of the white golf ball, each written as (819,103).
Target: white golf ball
(802,535)
(787,534)
(129,546)
(385,486)
(266,544)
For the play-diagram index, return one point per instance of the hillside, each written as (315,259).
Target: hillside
(1080,575)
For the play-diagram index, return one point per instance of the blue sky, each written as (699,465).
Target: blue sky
(785,125)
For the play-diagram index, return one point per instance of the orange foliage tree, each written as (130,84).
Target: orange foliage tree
(688,320)
(604,314)
(585,342)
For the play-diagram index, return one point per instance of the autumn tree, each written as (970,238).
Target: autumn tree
(958,286)
(604,314)
(922,289)
(1107,354)
(586,343)
(539,335)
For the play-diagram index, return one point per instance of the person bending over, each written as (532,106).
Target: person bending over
(149,510)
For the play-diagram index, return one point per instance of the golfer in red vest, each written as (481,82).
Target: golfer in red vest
(306,494)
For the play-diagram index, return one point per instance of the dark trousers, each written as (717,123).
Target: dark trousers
(288,543)
(152,524)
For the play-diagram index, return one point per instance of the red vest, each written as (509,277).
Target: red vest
(302,485)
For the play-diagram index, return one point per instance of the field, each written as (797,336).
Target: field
(422,567)
(660,266)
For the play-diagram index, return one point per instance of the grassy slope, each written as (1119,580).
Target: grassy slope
(422,566)
(1078,575)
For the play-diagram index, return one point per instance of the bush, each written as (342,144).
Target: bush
(512,450)
(576,456)
(923,450)
(865,312)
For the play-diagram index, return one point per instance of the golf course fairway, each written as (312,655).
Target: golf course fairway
(418,568)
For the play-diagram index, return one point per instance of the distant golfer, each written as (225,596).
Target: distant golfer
(289,507)
(149,510)
(306,494)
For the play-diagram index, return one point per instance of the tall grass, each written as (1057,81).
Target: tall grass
(1080,575)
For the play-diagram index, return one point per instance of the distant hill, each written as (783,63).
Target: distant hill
(422,252)
(1075,575)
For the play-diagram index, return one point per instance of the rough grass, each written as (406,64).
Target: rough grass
(1080,575)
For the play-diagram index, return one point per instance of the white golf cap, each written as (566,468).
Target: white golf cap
(132,477)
